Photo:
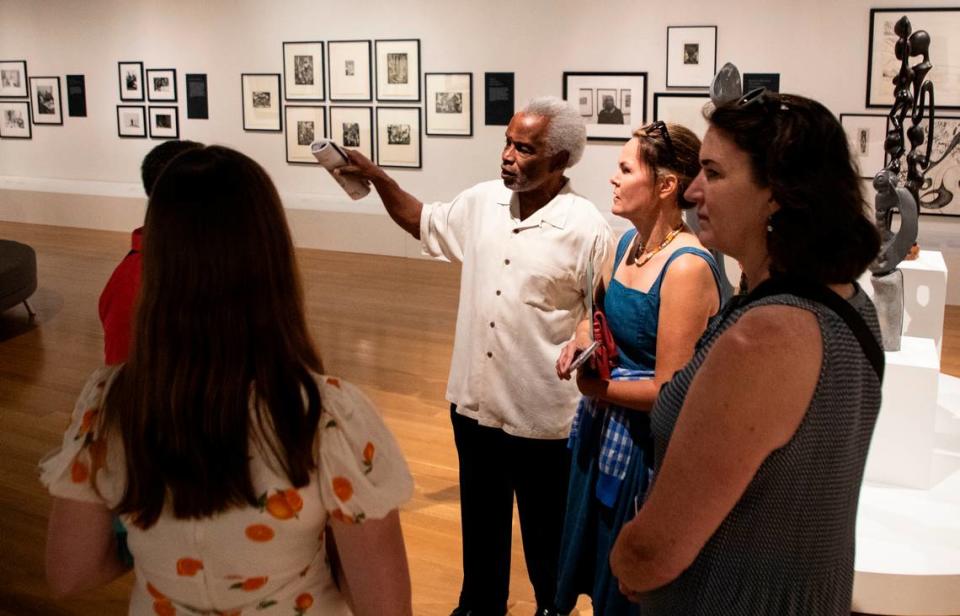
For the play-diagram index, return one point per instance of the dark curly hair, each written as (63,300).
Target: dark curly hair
(681,156)
(799,150)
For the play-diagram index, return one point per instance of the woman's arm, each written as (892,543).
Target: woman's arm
(747,400)
(81,547)
(374,564)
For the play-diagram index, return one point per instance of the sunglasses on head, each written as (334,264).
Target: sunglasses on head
(661,128)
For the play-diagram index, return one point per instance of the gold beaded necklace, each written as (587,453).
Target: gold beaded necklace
(641,258)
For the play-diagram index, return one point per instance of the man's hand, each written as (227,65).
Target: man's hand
(361,167)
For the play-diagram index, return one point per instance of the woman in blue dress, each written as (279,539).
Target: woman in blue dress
(660,290)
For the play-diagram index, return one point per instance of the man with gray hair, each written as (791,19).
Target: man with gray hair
(526,244)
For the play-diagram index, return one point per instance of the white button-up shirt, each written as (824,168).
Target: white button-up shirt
(521,297)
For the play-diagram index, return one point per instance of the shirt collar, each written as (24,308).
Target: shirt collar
(553,212)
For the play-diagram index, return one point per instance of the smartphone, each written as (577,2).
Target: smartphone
(583,356)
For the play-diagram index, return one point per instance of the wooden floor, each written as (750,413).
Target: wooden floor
(384,323)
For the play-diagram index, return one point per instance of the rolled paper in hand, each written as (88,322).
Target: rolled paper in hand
(331,156)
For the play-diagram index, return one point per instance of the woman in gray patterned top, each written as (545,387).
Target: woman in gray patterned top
(761,440)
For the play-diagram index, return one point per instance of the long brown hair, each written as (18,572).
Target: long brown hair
(219,324)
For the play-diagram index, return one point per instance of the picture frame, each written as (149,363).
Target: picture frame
(131,122)
(130,78)
(352,127)
(46,101)
(865,136)
(939,195)
(261,102)
(691,56)
(684,108)
(304,69)
(161,85)
(943,25)
(305,124)
(615,97)
(398,137)
(449,104)
(349,71)
(15,120)
(164,122)
(13,80)
(398,70)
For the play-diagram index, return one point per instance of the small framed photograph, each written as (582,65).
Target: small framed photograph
(130,75)
(47,102)
(15,120)
(303,70)
(398,70)
(609,97)
(305,124)
(398,137)
(350,74)
(939,194)
(684,109)
(13,79)
(261,102)
(131,121)
(866,134)
(164,122)
(691,56)
(352,127)
(162,85)
(449,104)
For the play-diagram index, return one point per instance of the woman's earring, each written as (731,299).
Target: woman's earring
(770,224)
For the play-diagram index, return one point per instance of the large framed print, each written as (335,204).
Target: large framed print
(164,122)
(15,120)
(398,137)
(305,124)
(261,102)
(350,74)
(398,70)
(449,104)
(691,56)
(13,79)
(940,193)
(943,25)
(130,75)
(352,127)
(683,109)
(131,121)
(162,85)
(617,102)
(303,71)
(47,101)
(866,134)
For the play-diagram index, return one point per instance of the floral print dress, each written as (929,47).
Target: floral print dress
(265,560)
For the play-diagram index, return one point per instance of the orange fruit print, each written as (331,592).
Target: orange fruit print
(368,453)
(303,603)
(259,532)
(156,594)
(284,504)
(164,608)
(342,488)
(79,472)
(188,566)
(253,583)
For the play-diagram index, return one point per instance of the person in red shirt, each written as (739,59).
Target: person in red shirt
(119,295)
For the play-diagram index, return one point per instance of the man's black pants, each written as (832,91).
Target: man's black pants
(493,466)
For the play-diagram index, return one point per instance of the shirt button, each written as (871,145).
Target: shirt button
(491,323)
(489,354)
(498,291)
(506,261)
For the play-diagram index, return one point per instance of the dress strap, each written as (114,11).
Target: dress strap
(687,250)
(625,240)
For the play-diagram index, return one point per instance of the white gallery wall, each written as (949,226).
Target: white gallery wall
(82,174)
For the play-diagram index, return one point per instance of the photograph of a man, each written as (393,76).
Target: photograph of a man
(609,112)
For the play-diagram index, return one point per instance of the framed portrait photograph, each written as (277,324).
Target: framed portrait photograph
(685,109)
(305,124)
(47,101)
(691,56)
(15,120)
(611,99)
(398,137)
(303,71)
(261,102)
(398,70)
(130,75)
(131,121)
(940,193)
(13,79)
(352,127)
(449,104)
(350,74)
(162,85)
(164,122)
(866,134)
(943,25)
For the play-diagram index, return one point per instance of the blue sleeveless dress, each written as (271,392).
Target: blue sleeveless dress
(600,502)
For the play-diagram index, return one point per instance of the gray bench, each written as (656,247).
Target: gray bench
(18,275)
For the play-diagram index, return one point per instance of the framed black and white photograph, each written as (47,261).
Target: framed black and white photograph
(305,124)
(770,81)
(303,71)
(46,100)
(352,127)
(162,85)
(398,70)
(197,104)
(398,137)
(261,102)
(164,122)
(350,73)
(449,104)
(940,193)
(13,80)
(691,56)
(685,109)
(132,121)
(15,120)
(130,75)
(866,134)
(619,102)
